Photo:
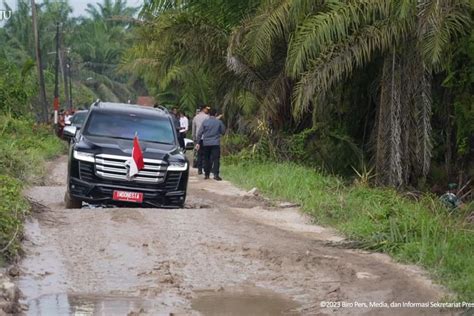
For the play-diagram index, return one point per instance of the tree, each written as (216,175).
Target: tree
(180,49)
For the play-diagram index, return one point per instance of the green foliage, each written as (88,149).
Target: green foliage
(16,89)
(232,144)
(464,111)
(318,147)
(94,45)
(24,148)
(296,64)
(420,232)
(180,51)
(13,208)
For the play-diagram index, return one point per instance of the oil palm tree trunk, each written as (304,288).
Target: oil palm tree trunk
(389,143)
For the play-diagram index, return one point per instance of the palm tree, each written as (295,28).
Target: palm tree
(327,41)
(412,36)
(114,12)
(181,47)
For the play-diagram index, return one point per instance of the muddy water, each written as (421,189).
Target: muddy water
(64,304)
(226,253)
(243,301)
(232,302)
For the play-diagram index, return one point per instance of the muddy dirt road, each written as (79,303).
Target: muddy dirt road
(225,253)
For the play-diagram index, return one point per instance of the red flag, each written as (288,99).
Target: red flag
(135,163)
(137,154)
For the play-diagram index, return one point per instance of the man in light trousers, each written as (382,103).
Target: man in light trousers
(197,122)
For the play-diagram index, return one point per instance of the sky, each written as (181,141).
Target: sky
(77,5)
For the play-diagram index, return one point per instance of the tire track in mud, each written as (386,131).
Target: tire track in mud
(225,247)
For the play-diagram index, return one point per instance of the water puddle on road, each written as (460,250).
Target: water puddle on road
(64,304)
(243,301)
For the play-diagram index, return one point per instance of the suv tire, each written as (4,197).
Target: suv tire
(71,202)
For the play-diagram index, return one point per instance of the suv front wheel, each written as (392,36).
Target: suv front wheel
(71,202)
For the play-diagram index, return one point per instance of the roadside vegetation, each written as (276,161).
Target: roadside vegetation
(24,148)
(419,231)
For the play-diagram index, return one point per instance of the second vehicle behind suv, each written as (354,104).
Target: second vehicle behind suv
(98,153)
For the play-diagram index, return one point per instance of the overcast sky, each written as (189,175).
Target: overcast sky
(77,5)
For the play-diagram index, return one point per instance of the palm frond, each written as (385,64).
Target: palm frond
(327,28)
(338,61)
(439,22)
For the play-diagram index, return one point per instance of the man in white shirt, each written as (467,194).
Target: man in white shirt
(183,126)
(67,117)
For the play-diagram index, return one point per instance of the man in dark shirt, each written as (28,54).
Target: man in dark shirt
(211,131)
(177,126)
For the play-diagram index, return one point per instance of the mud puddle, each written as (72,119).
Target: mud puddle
(243,301)
(64,304)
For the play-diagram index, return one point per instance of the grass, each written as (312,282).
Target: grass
(24,149)
(420,232)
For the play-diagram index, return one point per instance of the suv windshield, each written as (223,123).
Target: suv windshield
(125,125)
(78,118)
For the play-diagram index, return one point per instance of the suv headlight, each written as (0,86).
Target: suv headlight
(83,156)
(177,166)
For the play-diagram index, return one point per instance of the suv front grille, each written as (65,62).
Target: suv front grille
(112,167)
(172,181)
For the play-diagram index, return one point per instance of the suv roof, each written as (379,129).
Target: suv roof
(126,107)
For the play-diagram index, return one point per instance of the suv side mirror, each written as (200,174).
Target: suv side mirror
(69,132)
(188,144)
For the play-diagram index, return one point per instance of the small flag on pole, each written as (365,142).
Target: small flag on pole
(135,163)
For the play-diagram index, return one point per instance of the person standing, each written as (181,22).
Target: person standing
(184,125)
(177,126)
(211,131)
(197,122)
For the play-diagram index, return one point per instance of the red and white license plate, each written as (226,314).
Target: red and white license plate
(126,196)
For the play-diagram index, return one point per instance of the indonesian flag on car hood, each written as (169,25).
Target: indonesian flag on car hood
(135,163)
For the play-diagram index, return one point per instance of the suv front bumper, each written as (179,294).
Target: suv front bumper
(101,193)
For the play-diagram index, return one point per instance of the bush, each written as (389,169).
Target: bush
(13,208)
(234,143)
(24,147)
(319,148)
(16,89)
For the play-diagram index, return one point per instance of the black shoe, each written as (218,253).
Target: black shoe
(217,178)
(206,177)
(199,171)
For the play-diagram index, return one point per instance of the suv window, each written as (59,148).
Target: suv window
(78,118)
(125,125)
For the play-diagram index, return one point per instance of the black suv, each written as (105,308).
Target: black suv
(97,172)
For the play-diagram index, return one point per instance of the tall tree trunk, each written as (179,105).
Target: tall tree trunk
(388,149)
(423,110)
(403,152)
(43,109)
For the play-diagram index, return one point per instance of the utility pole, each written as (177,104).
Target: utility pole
(63,68)
(56,78)
(43,111)
(68,65)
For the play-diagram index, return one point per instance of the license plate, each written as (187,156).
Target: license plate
(126,196)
